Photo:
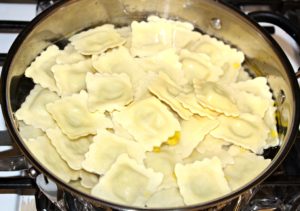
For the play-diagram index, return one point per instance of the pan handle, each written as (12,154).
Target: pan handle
(278,20)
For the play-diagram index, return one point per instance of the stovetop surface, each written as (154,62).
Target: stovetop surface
(281,191)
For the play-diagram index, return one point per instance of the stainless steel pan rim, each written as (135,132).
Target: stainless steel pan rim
(8,116)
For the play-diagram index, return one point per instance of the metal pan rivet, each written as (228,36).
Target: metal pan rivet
(216,23)
(32,173)
(281,97)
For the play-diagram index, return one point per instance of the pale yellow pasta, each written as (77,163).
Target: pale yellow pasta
(46,154)
(217,97)
(163,161)
(201,181)
(158,35)
(192,133)
(72,151)
(270,120)
(70,78)
(229,59)
(166,61)
(97,40)
(69,56)
(169,197)
(211,147)
(73,117)
(40,69)
(189,101)
(199,66)
(245,168)
(247,130)
(119,61)
(108,92)
(250,103)
(87,179)
(166,90)
(106,148)
(33,111)
(29,131)
(128,183)
(149,121)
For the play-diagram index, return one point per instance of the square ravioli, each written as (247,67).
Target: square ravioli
(222,55)
(199,66)
(72,151)
(166,198)
(201,181)
(33,111)
(97,40)
(73,117)
(149,38)
(127,183)
(247,130)
(166,90)
(40,69)
(166,61)
(45,153)
(108,92)
(69,56)
(149,121)
(245,168)
(106,148)
(70,78)
(192,133)
(119,61)
(163,160)
(217,97)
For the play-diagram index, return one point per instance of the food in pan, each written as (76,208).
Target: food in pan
(154,114)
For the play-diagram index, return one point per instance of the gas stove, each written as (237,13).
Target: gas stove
(281,191)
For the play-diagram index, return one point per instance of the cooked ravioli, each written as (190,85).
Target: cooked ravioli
(166,90)
(169,197)
(73,117)
(40,69)
(29,131)
(270,120)
(128,182)
(167,62)
(247,130)
(216,97)
(69,56)
(87,179)
(189,101)
(46,154)
(149,38)
(70,78)
(106,148)
(118,61)
(108,92)
(149,121)
(246,167)
(201,181)
(250,103)
(125,33)
(211,147)
(192,133)
(229,59)
(72,151)
(78,186)
(33,111)
(257,86)
(199,66)
(164,161)
(97,40)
